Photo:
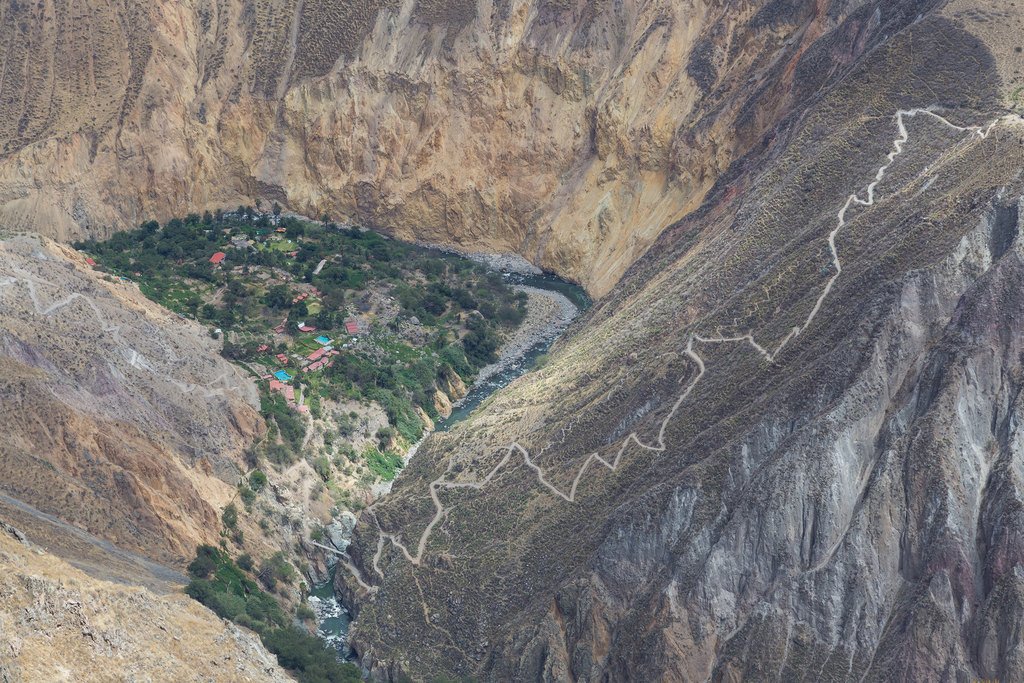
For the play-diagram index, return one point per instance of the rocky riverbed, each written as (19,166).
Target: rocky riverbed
(548,314)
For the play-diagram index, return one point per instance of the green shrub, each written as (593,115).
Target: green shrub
(385,435)
(247,495)
(205,562)
(230,516)
(276,568)
(322,466)
(384,465)
(304,612)
(309,657)
(257,480)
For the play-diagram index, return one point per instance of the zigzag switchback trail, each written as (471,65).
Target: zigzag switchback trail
(134,358)
(899,144)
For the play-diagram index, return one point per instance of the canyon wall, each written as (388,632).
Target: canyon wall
(786,446)
(570,131)
(120,417)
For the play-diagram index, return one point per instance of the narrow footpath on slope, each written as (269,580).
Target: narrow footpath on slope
(868,199)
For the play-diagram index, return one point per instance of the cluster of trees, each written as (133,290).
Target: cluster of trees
(291,428)
(226,588)
(450,292)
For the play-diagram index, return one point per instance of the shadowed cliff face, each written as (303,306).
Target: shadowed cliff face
(785,445)
(571,132)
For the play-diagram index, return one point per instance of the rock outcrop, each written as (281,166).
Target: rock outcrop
(58,624)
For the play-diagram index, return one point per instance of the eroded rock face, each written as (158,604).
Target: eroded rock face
(570,132)
(804,471)
(119,416)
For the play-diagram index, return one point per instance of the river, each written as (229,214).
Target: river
(331,616)
(332,619)
(574,301)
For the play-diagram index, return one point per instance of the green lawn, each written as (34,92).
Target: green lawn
(280,245)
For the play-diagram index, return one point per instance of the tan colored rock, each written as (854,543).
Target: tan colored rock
(119,417)
(58,624)
(566,133)
(442,404)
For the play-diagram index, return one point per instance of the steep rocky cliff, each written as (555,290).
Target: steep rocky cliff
(570,131)
(786,446)
(119,417)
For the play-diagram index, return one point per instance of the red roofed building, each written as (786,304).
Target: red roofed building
(352,327)
(289,393)
(315,355)
(262,348)
(283,358)
(90,261)
(306,328)
(275,385)
(217,258)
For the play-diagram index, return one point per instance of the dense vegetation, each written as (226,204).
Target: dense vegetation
(322,316)
(423,317)
(227,589)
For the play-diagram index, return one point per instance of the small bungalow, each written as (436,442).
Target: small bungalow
(303,327)
(218,258)
(351,326)
(282,358)
(262,348)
